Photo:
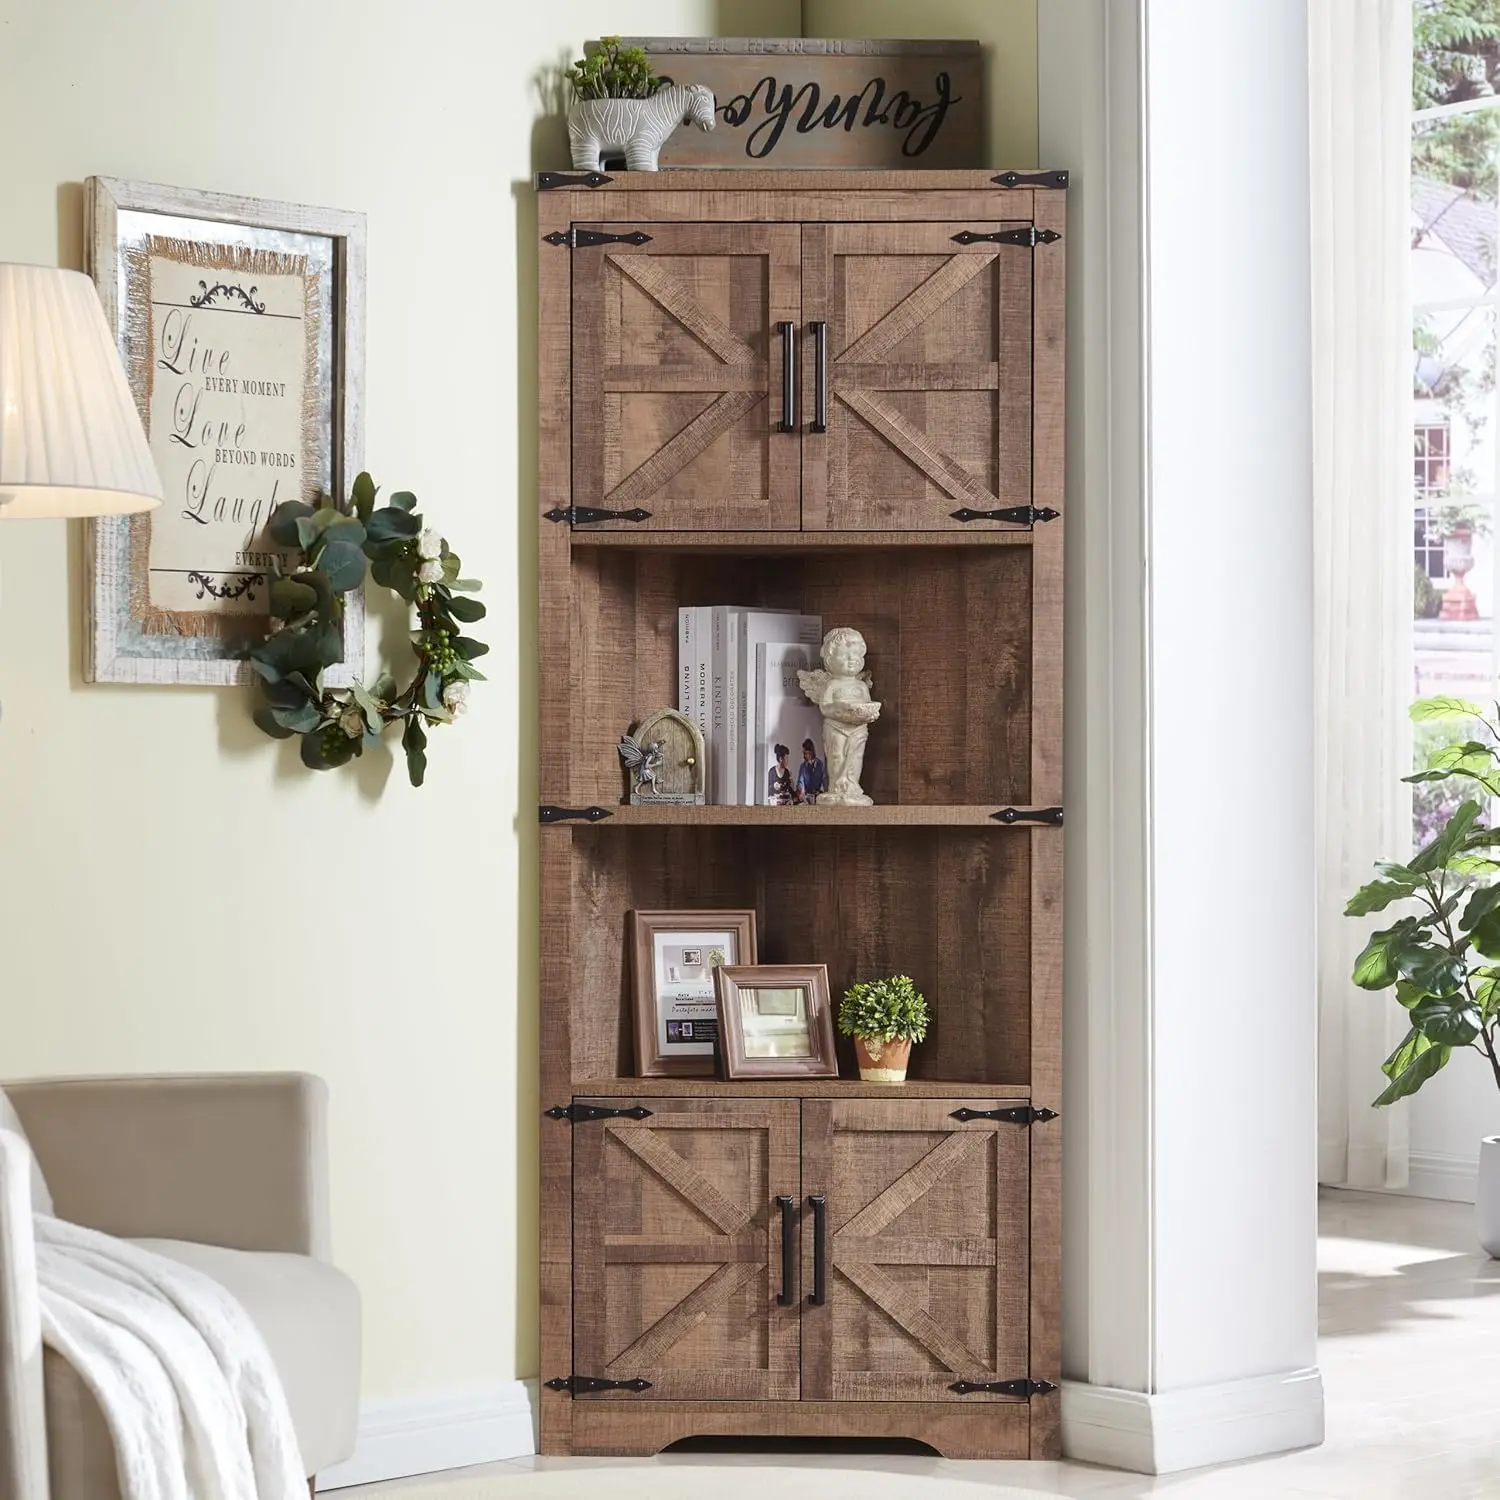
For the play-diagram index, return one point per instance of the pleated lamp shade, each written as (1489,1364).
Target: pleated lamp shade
(71,443)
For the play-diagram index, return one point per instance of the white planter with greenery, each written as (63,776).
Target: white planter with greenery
(884,1016)
(1442,959)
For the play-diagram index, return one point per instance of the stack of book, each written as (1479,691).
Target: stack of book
(737,680)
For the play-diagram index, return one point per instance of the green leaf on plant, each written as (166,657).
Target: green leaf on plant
(282,526)
(344,565)
(384,688)
(1425,709)
(1449,841)
(414,743)
(391,524)
(466,610)
(298,720)
(1410,1066)
(470,649)
(464,585)
(291,597)
(404,500)
(346,530)
(1376,966)
(363,495)
(371,708)
(1378,895)
(1481,903)
(1449,1020)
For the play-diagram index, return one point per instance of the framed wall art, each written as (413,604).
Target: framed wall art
(775,1021)
(674,956)
(241,326)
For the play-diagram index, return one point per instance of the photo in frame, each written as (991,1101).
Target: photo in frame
(240,323)
(674,956)
(775,1021)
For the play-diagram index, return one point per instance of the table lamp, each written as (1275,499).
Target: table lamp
(71,443)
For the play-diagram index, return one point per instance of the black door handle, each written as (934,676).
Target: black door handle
(788,376)
(819,422)
(787,1204)
(819,1205)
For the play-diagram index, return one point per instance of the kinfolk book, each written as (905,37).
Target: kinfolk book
(788,735)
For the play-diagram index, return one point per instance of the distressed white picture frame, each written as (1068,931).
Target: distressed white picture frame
(115,650)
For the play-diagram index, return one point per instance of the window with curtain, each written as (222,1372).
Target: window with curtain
(1455,229)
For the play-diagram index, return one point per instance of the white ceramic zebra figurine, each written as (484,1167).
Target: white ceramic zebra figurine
(638,127)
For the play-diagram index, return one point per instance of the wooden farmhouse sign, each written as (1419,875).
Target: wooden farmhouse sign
(789,102)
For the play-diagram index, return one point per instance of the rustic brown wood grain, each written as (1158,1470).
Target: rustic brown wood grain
(700,446)
(964,628)
(701,1319)
(902,299)
(993,1429)
(946,1299)
(947,634)
(791,102)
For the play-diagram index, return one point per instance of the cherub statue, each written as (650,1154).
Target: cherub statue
(645,761)
(841,689)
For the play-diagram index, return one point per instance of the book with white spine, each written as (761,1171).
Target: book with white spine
(759,627)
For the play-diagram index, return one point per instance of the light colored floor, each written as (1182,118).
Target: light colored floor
(1410,1355)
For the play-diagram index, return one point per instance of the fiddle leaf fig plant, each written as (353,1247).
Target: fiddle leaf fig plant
(1442,959)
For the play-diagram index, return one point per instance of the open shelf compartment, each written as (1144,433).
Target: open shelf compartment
(948,630)
(949,906)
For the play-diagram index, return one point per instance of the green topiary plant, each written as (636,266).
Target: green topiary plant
(613,72)
(886,1010)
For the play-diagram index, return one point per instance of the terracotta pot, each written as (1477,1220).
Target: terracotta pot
(882,1062)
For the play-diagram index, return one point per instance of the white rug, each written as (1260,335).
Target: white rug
(678,1481)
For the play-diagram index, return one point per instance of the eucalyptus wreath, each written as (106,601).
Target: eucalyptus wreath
(334,543)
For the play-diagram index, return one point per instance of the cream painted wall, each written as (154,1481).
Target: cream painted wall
(1006,27)
(151,842)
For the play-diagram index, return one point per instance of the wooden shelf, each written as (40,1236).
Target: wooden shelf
(901,815)
(798,541)
(793,1088)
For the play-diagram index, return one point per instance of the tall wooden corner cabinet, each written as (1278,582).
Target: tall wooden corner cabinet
(838,392)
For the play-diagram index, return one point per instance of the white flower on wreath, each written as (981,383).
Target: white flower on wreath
(431,544)
(352,722)
(456,697)
(430,572)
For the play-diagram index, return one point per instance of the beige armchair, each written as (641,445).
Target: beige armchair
(225,1173)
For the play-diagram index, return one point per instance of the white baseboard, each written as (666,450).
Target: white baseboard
(1160,1434)
(421,1436)
(1434,1174)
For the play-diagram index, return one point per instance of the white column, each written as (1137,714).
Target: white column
(1190,1216)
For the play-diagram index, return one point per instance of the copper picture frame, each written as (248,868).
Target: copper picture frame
(673,958)
(775,1021)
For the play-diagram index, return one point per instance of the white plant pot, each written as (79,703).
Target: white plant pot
(1487,1196)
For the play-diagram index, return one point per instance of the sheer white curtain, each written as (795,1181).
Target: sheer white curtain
(1361,60)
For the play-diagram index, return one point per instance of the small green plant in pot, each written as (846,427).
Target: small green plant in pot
(884,1016)
(1442,957)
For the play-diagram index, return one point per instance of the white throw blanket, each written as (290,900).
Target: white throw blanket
(180,1372)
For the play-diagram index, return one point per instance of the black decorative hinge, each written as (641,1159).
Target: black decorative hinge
(579,239)
(1024,1388)
(586,1385)
(581,1114)
(1031,179)
(1052,815)
(1017,515)
(545,180)
(1020,1114)
(583,515)
(1031,237)
(548,813)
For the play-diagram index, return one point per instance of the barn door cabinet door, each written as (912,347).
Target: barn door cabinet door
(683,348)
(921,373)
(924,1279)
(678,1250)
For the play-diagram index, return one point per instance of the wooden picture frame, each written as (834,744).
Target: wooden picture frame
(748,1042)
(241,326)
(666,1006)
